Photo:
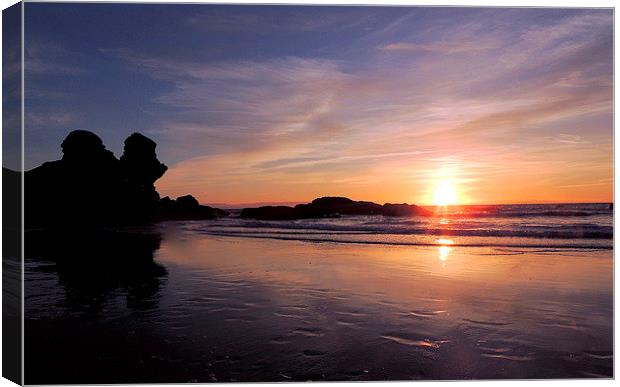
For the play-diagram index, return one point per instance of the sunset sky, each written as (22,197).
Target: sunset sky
(279,104)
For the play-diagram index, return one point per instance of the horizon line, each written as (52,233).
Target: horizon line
(294,203)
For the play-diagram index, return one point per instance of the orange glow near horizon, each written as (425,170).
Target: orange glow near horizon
(230,179)
(434,107)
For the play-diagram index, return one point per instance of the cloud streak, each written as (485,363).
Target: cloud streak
(518,102)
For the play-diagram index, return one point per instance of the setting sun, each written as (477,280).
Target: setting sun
(445,193)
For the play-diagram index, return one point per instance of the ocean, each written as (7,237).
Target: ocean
(573,226)
(493,292)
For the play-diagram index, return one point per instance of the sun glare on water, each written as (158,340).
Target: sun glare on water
(445,193)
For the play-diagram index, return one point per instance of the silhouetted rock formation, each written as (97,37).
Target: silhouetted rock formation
(141,169)
(84,187)
(329,207)
(404,210)
(270,213)
(90,186)
(187,207)
(11,210)
(187,202)
(335,206)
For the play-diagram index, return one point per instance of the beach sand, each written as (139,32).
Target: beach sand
(243,309)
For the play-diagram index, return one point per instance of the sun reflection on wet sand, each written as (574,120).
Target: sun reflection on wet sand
(445,242)
(308,304)
(444,249)
(444,252)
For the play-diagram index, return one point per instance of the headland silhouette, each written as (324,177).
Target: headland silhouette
(89,186)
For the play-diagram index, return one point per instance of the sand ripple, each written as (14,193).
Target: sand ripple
(416,343)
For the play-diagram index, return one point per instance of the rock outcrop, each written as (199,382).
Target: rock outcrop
(85,186)
(187,208)
(335,206)
(404,209)
(330,207)
(270,213)
(140,169)
(90,186)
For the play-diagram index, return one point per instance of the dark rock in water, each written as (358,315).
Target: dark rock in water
(328,201)
(207,212)
(187,207)
(335,206)
(404,210)
(270,213)
(331,207)
(188,202)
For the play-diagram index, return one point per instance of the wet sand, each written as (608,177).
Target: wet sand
(242,309)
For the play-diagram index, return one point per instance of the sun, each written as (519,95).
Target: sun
(445,193)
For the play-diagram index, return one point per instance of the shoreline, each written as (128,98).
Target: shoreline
(515,246)
(244,309)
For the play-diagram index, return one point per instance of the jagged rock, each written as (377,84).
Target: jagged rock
(84,187)
(187,202)
(90,186)
(187,207)
(139,161)
(11,201)
(330,207)
(270,213)
(336,206)
(82,146)
(327,201)
(166,203)
(404,210)
(141,168)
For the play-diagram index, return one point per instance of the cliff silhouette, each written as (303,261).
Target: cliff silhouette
(90,186)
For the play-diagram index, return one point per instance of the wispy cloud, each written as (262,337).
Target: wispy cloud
(52,118)
(502,94)
(244,106)
(444,47)
(570,139)
(292,19)
(45,58)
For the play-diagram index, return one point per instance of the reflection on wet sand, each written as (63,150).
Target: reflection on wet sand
(92,266)
(241,309)
(444,249)
(77,284)
(472,313)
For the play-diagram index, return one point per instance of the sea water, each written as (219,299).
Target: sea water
(473,293)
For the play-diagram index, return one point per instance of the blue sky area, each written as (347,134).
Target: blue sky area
(286,103)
